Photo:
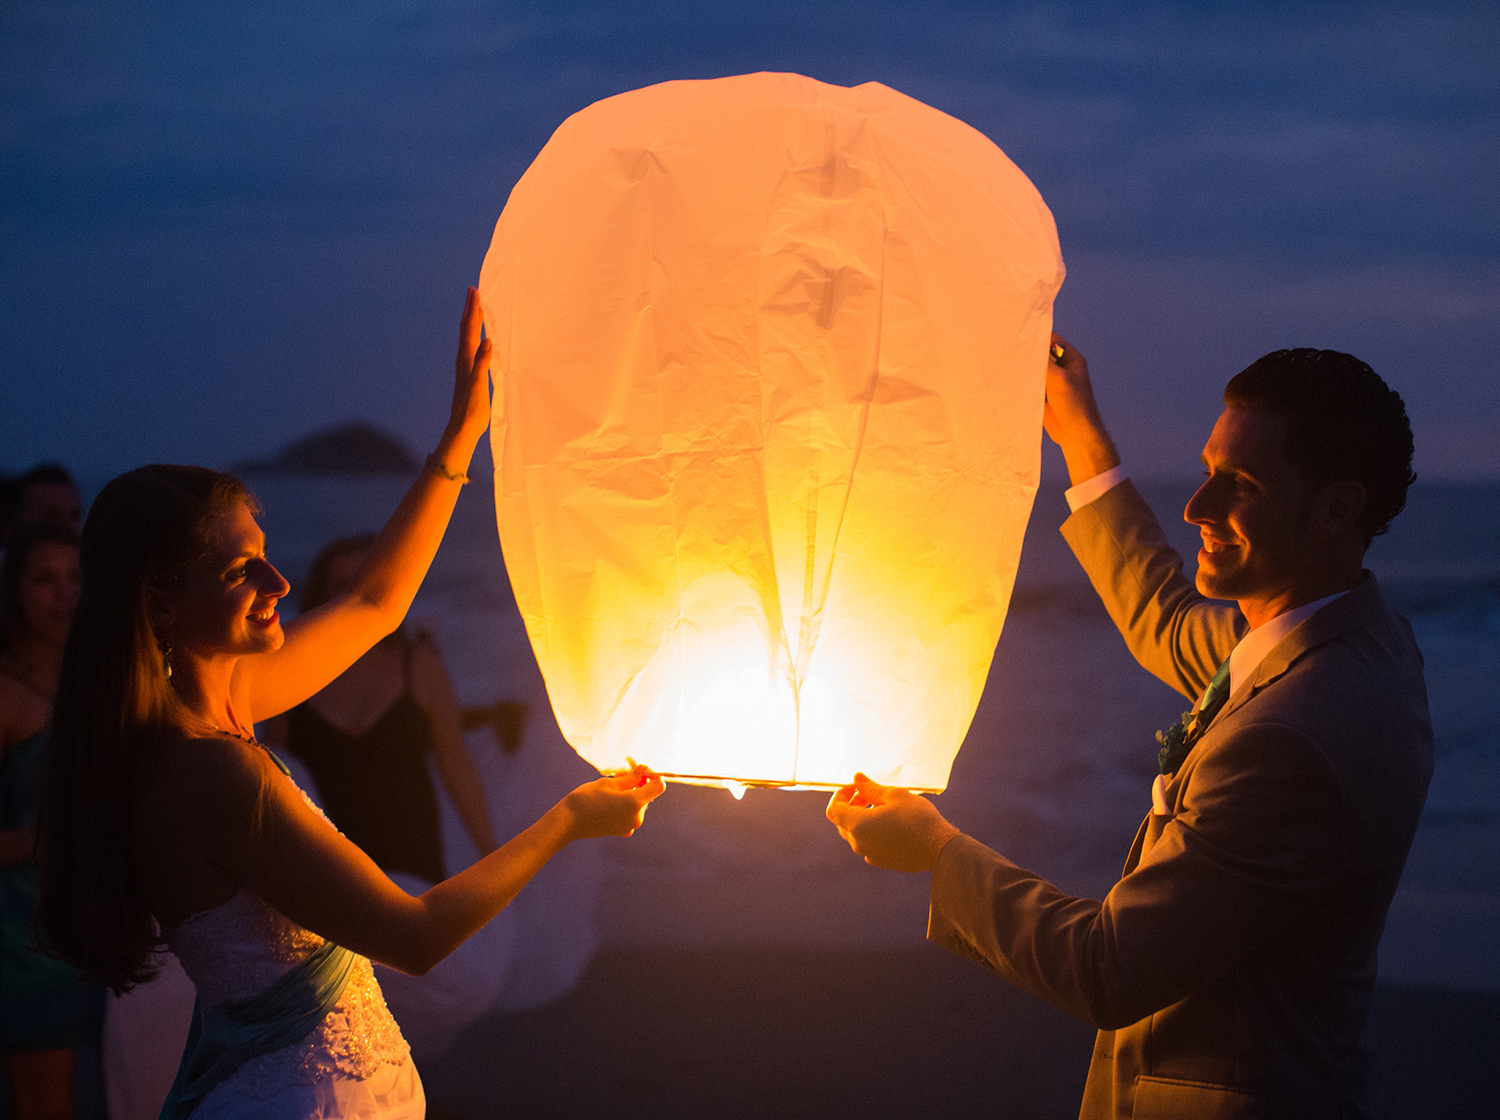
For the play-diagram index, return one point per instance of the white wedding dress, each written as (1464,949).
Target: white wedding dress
(353,1066)
(532,954)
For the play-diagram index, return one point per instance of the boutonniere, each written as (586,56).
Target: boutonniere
(1177,740)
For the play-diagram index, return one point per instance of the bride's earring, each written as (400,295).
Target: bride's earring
(166,661)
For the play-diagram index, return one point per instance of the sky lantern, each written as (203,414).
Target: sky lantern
(769,358)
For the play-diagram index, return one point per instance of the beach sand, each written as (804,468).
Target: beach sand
(760,1031)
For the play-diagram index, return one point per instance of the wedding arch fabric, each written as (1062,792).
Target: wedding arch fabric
(769,358)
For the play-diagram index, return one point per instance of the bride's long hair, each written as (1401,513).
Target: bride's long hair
(144,530)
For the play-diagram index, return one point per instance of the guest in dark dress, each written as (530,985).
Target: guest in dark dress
(365,739)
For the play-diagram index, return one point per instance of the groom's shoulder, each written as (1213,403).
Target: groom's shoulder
(1360,697)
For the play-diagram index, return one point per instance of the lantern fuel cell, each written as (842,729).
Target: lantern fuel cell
(770,358)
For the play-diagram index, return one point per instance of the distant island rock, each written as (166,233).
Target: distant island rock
(346,449)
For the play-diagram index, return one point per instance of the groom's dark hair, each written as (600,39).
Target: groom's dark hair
(1343,422)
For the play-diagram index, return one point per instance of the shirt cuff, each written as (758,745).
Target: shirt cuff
(1091,488)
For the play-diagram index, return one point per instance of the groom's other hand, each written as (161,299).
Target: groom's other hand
(892,828)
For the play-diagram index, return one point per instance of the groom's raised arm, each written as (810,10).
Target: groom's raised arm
(1174,632)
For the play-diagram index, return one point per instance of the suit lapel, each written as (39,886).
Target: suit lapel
(1349,612)
(1363,605)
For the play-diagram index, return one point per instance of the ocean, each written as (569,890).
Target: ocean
(1055,771)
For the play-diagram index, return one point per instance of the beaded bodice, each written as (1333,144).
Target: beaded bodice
(238,949)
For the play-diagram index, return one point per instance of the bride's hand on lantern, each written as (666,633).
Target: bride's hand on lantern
(470,414)
(322,643)
(891,827)
(613,805)
(1071,415)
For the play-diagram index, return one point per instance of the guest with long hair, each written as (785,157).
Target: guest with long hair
(165,820)
(46,1011)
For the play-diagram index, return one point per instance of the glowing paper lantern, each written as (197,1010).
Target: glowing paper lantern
(771,359)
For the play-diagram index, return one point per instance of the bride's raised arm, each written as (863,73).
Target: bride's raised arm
(323,643)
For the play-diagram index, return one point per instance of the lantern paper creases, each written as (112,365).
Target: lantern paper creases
(769,358)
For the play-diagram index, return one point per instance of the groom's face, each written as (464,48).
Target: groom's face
(1250,512)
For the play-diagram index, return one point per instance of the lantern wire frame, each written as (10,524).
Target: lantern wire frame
(757,783)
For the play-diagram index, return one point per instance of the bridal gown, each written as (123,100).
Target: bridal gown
(145,1029)
(354,1064)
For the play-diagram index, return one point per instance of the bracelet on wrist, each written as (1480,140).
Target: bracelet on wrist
(443,472)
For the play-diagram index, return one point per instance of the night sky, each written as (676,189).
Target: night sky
(225,225)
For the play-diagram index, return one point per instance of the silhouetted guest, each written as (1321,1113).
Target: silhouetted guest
(1230,970)
(46,1013)
(366,738)
(45,493)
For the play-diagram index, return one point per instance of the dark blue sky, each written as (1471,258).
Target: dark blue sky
(224,225)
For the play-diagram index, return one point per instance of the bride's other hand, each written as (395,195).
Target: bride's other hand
(612,806)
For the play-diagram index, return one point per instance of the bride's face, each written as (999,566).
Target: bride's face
(226,603)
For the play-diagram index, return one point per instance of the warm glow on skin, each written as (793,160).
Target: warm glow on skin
(222,609)
(226,603)
(1270,542)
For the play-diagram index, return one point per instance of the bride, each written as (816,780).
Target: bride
(165,817)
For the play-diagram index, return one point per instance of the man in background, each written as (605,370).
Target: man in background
(1230,970)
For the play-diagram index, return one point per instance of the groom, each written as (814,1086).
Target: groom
(1230,969)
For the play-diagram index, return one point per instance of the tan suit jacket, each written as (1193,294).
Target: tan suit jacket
(1230,969)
